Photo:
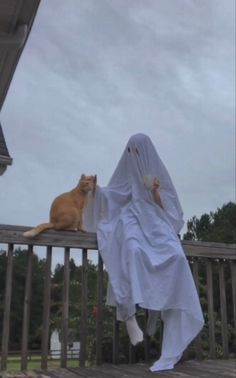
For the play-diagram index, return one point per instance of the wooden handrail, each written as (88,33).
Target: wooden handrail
(14,234)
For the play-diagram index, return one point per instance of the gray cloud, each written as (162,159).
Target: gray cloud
(93,73)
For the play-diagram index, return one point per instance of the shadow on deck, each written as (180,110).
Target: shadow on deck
(193,368)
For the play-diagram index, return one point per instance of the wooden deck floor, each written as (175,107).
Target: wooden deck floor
(197,369)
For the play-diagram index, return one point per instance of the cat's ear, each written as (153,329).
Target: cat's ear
(95,179)
(82,176)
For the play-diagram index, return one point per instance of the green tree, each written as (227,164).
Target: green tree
(218,226)
(18,288)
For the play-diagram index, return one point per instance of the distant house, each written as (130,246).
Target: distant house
(73,347)
(16,20)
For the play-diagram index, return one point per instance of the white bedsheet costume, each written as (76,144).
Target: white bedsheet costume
(141,250)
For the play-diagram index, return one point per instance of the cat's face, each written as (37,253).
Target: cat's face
(87,183)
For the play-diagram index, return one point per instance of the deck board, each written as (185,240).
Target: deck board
(194,369)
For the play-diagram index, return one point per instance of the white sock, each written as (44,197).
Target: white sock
(134,332)
(154,317)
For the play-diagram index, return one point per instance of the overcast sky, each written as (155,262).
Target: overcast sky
(95,72)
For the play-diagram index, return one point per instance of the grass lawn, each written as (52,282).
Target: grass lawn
(14,364)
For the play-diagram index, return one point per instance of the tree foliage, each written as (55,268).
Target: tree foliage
(218,226)
(18,289)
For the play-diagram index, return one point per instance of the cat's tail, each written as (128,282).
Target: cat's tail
(37,230)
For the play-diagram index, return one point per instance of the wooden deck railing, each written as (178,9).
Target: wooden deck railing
(209,263)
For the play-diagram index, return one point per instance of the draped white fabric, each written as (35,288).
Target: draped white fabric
(141,250)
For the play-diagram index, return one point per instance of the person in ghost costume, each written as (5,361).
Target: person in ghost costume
(137,218)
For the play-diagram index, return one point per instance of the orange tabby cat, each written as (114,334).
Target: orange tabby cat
(66,212)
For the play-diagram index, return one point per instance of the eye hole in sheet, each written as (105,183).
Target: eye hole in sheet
(135,150)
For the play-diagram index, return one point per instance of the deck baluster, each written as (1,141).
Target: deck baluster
(197,341)
(99,314)
(65,308)
(84,311)
(26,311)
(46,309)
(223,310)
(115,341)
(131,354)
(146,339)
(7,307)
(210,301)
(233,279)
